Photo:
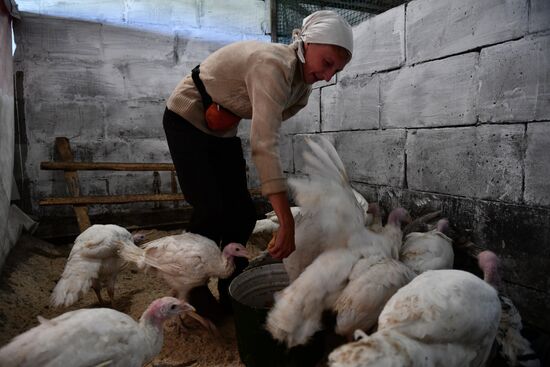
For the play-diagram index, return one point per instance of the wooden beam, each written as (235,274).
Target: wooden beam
(117,199)
(63,148)
(106,166)
(110,199)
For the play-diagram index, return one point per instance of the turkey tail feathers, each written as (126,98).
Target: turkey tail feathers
(74,282)
(132,253)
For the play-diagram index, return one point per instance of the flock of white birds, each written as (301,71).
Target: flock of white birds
(397,301)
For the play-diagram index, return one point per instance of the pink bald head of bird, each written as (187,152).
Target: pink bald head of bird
(399,216)
(234,249)
(489,263)
(163,309)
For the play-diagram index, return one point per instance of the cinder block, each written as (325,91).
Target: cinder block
(99,10)
(537,164)
(184,14)
(375,157)
(39,36)
(147,78)
(194,50)
(514,81)
(120,43)
(437,93)
(149,150)
(307,120)
(352,104)
(379,43)
(437,28)
(136,119)
(539,15)
(481,162)
(47,119)
(70,80)
(239,17)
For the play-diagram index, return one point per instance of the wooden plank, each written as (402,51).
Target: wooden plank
(71,178)
(110,199)
(106,166)
(117,199)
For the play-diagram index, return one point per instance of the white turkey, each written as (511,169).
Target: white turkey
(441,318)
(265,228)
(431,250)
(93,263)
(185,261)
(333,241)
(513,347)
(93,337)
(372,281)
(298,308)
(332,216)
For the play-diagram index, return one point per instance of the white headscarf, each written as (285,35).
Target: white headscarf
(323,26)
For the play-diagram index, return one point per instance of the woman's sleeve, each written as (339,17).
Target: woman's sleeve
(269,85)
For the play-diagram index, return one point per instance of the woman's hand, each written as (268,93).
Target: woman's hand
(284,241)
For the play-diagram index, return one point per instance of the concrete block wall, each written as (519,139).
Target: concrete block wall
(99,73)
(445,105)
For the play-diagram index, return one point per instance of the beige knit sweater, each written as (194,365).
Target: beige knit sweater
(258,81)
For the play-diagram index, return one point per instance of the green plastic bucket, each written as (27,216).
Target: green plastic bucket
(252,296)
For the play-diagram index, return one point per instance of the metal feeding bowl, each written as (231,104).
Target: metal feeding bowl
(252,296)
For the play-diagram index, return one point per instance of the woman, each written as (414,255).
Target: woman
(264,82)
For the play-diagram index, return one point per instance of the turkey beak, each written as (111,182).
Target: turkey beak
(187,308)
(199,318)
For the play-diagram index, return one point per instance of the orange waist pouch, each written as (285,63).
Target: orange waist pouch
(217,118)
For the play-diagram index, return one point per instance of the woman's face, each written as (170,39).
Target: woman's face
(323,61)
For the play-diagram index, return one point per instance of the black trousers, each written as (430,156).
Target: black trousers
(212,176)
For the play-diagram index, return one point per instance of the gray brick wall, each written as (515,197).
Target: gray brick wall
(514,79)
(438,28)
(459,123)
(437,93)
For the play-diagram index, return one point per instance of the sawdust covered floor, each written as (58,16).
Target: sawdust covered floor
(32,270)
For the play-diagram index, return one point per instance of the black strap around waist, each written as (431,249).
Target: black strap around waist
(206,99)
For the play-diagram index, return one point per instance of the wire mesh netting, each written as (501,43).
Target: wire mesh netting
(289,13)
